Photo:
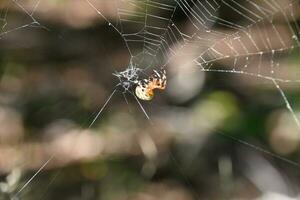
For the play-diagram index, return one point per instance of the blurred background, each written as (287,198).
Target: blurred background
(212,135)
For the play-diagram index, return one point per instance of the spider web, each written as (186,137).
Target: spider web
(253,43)
(8,25)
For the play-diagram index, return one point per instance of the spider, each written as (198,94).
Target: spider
(144,88)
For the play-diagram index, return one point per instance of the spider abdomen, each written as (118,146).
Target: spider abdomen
(145,87)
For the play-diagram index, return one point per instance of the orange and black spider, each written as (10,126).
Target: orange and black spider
(145,87)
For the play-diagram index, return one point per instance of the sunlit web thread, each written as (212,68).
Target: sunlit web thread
(30,14)
(102,108)
(287,103)
(15,196)
(259,149)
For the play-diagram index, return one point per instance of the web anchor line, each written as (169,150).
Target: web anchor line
(259,149)
(102,108)
(14,197)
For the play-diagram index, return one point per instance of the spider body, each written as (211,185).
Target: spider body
(145,87)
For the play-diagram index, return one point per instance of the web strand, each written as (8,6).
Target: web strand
(259,149)
(32,178)
(102,108)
